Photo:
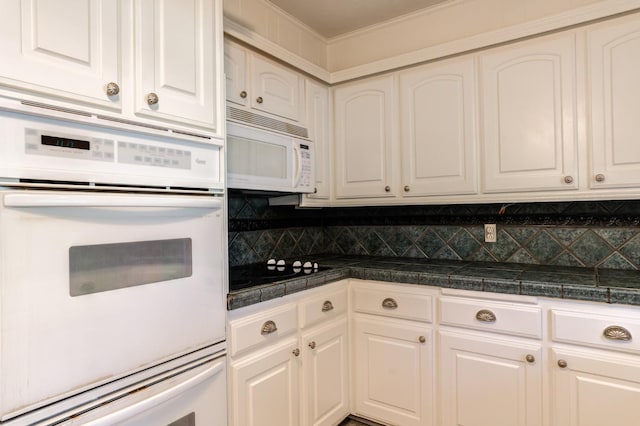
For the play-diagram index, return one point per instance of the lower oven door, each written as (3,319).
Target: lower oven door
(193,396)
(97,286)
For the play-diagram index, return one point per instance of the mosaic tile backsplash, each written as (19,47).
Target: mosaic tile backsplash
(586,234)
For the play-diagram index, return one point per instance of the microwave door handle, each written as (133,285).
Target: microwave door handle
(155,400)
(298,155)
(109,200)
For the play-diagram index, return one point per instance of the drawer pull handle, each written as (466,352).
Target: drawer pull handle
(422,339)
(312,345)
(485,315)
(389,303)
(562,363)
(530,359)
(327,306)
(615,332)
(269,327)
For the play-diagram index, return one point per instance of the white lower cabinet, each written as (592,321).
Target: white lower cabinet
(489,380)
(290,359)
(392,357)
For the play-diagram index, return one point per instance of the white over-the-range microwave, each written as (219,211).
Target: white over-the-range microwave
(259,159)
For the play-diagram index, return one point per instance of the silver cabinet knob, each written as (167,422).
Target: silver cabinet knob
(296,352)
(387,188)
(406,188)
(112,89)
(568,179)
(312,345)
(530,358)
(599,177)
(485,315)
(268,327)
(422,339)
(152,98)
(562,363)
(243,94)
(259,100)
(389,303)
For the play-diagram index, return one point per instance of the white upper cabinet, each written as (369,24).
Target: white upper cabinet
(528,115)
(613,50)
(176,60)
(364,138)
(437,129)
(319,125)
(69,49)
(256,82)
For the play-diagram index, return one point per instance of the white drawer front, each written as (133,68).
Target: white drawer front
(263,328)
(497,317)
(393,303)
(323,307)
(596,330)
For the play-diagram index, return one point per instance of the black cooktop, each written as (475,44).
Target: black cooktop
(245,276)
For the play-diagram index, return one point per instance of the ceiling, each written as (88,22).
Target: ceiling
(331,18)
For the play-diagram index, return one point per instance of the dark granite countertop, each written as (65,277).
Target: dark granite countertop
(603,285)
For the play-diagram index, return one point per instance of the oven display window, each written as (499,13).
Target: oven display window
(65,142)
(106,267)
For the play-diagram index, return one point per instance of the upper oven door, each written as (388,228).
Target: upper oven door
(96,286)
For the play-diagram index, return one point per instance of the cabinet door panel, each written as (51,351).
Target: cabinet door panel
(67,48)
(528,101)
(317,98)
(176,61)
(438,129)
(364,137)
(487,381)
(235,70)
(614,61)
(265,388)
(393,371)
(275,89)
(595,388)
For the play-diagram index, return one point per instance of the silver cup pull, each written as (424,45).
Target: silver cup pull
(327,306)
(616,332)
(268,327)
(389,303)
(485,315)
(112,89)
(152,98)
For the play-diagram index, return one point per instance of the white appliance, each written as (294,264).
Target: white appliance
(112,276)
(259,159)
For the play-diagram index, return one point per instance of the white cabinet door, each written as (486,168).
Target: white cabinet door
(265,389)
(393,371)
(528,116)
(594,388)
(437,129)
(235,69)
(325,376)
(489,381)
(613,64)
(364,137)
(175,58)
(275,89)
(67,48)
(318,123)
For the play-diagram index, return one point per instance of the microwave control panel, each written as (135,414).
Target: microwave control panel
(306,169)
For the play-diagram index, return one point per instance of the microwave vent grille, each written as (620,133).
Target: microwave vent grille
(253,119)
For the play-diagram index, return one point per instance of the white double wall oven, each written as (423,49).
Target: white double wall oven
(112,273)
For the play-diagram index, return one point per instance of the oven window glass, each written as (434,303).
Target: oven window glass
(106,267)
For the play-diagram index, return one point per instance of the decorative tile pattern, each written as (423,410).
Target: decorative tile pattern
(604,235)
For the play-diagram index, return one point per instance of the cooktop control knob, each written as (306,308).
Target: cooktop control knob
(297,264)
(307,265)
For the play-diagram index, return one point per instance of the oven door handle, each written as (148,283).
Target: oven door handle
(109,200)
(155,400)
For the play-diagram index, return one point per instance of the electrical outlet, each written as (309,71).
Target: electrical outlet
(490,233)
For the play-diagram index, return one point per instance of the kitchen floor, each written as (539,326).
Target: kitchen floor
(358,422)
